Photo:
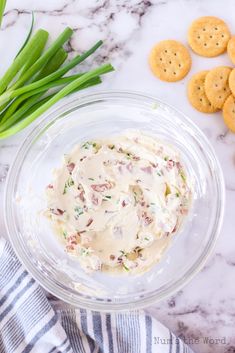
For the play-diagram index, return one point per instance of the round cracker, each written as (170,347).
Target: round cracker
(208,36)
(217,85)
(231,49)
(197,95)
(231,81)
(229,112)
(170,60)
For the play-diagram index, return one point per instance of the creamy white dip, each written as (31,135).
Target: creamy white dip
(117,202)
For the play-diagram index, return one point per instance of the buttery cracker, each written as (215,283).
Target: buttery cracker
(231,49)
(197,95)
(208,36)
(170,60)
(231,81)
(229,112)
(217,85)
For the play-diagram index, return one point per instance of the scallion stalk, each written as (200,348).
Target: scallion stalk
(37,53)
(94,81)
(2,8)
(28,36)
(33,100)
(61,94)
(10,94)
(16,103)
(44,58)
(53,64)
(40,36)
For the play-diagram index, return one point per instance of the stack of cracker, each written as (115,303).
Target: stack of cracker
(208,91)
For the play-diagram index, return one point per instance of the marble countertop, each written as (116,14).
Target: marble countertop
(205,308)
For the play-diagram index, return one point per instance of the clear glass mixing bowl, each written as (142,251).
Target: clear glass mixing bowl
(98,115)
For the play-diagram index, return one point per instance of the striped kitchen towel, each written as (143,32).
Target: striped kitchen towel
(31,322)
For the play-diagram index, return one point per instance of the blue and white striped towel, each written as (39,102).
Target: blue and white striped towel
(31,322)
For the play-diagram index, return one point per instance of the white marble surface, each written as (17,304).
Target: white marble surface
(206,306)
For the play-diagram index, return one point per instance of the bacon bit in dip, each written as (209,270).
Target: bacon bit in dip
(89,222)
(120,169)
(136,158)
(101,187)
(94,200)
(57,211)
(72,241)
(170,164)
(178,165)
(183,211)
(129,167)
(147,220)
(154,165)
(147,170)
(70,167)
(81,196)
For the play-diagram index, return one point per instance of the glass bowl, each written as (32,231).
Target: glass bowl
(100,115)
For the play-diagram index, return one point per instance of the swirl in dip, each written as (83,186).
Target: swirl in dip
(117,202)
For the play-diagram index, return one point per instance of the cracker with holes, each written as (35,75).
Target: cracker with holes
(197,95)
(208,36)
(232,81)
(231,49)
(217,85)
(229,112)
(170,61)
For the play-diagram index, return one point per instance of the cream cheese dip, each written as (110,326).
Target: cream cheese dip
(117,202)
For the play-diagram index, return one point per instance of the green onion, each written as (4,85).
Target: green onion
(67,185)
(125,267)
(28,51)
(94,81)
(28,36)
(78,210)
(38,51)
(88,144)
(45,57)
(168,190)
(53,64)
(39,103)
(43,89)
(183,176)
(33,100)
(23,109)
(77,60)
(37,72)
(2,8)
(61,94)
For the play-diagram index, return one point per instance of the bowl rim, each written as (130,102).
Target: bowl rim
(78,100)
